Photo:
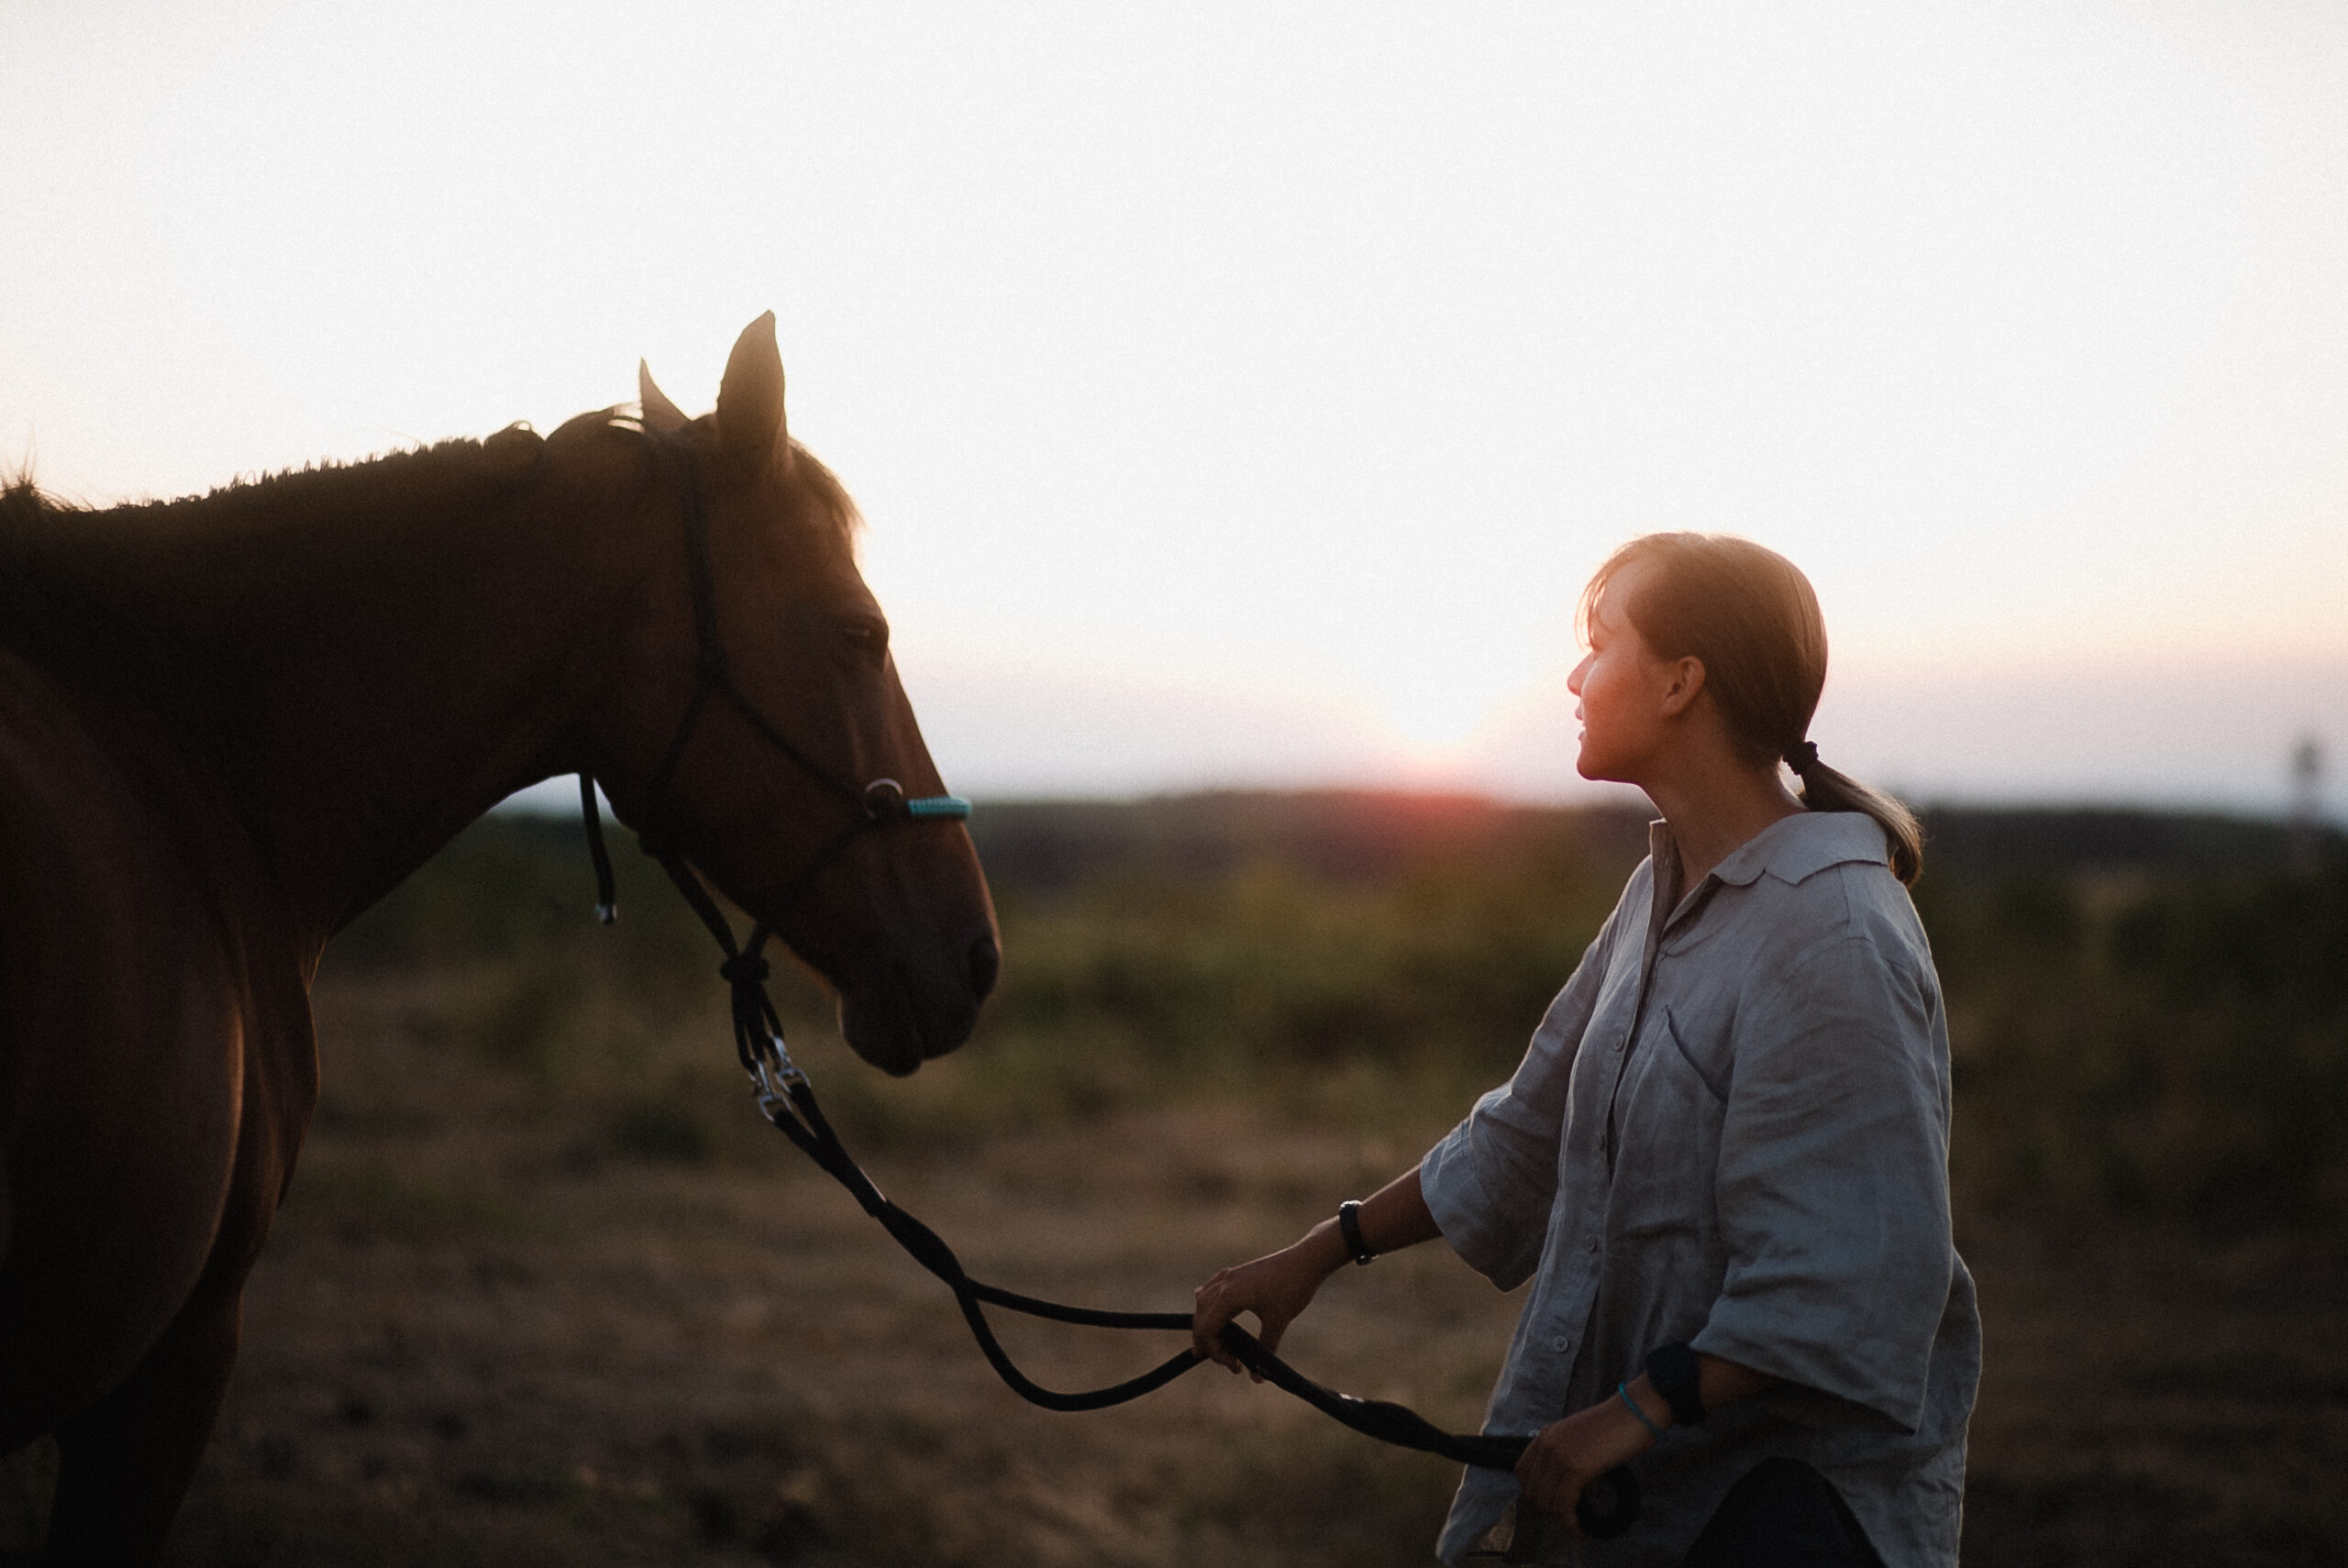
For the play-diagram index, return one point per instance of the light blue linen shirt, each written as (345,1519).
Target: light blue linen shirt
(1732,1128)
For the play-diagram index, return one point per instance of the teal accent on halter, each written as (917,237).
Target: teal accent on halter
(938,806)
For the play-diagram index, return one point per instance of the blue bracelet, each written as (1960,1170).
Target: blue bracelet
(1623,1392)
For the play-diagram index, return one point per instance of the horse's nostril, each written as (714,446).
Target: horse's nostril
(986,963)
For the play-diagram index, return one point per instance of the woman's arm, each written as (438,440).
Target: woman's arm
(1569,1454)
(1280,1286)
(1832,1180)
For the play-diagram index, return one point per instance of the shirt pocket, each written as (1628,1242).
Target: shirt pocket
(1670,1136)
(1707,1057)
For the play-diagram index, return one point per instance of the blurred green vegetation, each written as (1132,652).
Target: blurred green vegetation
(2146,1010)
(2157,1036)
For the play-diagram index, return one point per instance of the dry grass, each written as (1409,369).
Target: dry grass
(503,1324)
(475,1342)
(2151,1393)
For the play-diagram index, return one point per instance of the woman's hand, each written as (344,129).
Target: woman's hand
(1276,1287)
(1571,1454)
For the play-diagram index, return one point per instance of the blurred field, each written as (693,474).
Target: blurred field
(548,1291)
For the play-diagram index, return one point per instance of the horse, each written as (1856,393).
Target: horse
(229,723)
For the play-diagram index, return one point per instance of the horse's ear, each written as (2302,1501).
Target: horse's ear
(661,415)
(749,399)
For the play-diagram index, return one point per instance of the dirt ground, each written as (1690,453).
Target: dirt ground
(479,1338)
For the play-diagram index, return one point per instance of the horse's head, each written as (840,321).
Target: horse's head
(747,738)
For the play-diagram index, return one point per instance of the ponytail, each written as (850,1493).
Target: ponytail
(1825,789)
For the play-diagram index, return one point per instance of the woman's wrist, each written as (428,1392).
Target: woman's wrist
(1323,1248)
(1648,1403)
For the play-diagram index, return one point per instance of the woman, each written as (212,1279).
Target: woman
(1723,1161)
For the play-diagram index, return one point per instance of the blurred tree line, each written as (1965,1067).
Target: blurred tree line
(2146,1009)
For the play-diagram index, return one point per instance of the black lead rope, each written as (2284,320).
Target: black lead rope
(1608,1505)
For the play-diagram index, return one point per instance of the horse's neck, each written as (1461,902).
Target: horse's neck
(355,670)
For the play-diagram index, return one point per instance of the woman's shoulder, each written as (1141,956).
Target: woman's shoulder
(1824,930)
(1799,846)
(1822,879)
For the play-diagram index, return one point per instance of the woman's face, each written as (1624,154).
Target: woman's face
(1622,686)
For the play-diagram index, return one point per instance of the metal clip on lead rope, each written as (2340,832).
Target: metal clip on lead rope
(773,1074)
(607,898)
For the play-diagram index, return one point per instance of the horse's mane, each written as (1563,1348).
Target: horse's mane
(385,476)
(20,501)
(390,481)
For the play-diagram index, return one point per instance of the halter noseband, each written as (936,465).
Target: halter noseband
(880,803)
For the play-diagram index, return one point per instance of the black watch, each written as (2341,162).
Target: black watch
(1674,1370)
(1349,1227)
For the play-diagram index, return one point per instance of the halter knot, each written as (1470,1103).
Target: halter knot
(744,966)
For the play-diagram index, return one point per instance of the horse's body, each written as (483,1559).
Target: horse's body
(228,724)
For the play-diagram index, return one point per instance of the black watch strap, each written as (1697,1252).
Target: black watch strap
(1674,1370)
(1349,1227)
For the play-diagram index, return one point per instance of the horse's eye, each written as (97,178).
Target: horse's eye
(866,641)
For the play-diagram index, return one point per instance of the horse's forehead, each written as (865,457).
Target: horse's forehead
(816,560)
(798,522)
(834,586)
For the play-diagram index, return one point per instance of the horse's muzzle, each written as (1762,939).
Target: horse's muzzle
(986,963)
(901,1015)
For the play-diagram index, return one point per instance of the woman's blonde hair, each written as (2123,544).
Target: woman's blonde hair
(1749,615)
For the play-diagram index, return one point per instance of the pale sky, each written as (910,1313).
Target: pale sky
(1242,394)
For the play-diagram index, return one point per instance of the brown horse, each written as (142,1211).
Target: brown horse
(229,723)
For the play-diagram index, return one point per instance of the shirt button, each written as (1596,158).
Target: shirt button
(1559,1345)
(1593,1243)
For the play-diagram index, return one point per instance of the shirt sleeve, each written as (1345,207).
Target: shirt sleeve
(1832,1181)
(1491,1181)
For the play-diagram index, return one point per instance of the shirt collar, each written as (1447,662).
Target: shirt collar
(1791,849)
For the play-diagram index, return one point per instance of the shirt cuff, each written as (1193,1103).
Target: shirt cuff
(1487,1237)
(1752,1335)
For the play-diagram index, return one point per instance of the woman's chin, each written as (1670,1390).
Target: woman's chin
(1596,770)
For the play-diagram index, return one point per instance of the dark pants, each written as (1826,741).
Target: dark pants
(1782,1514)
